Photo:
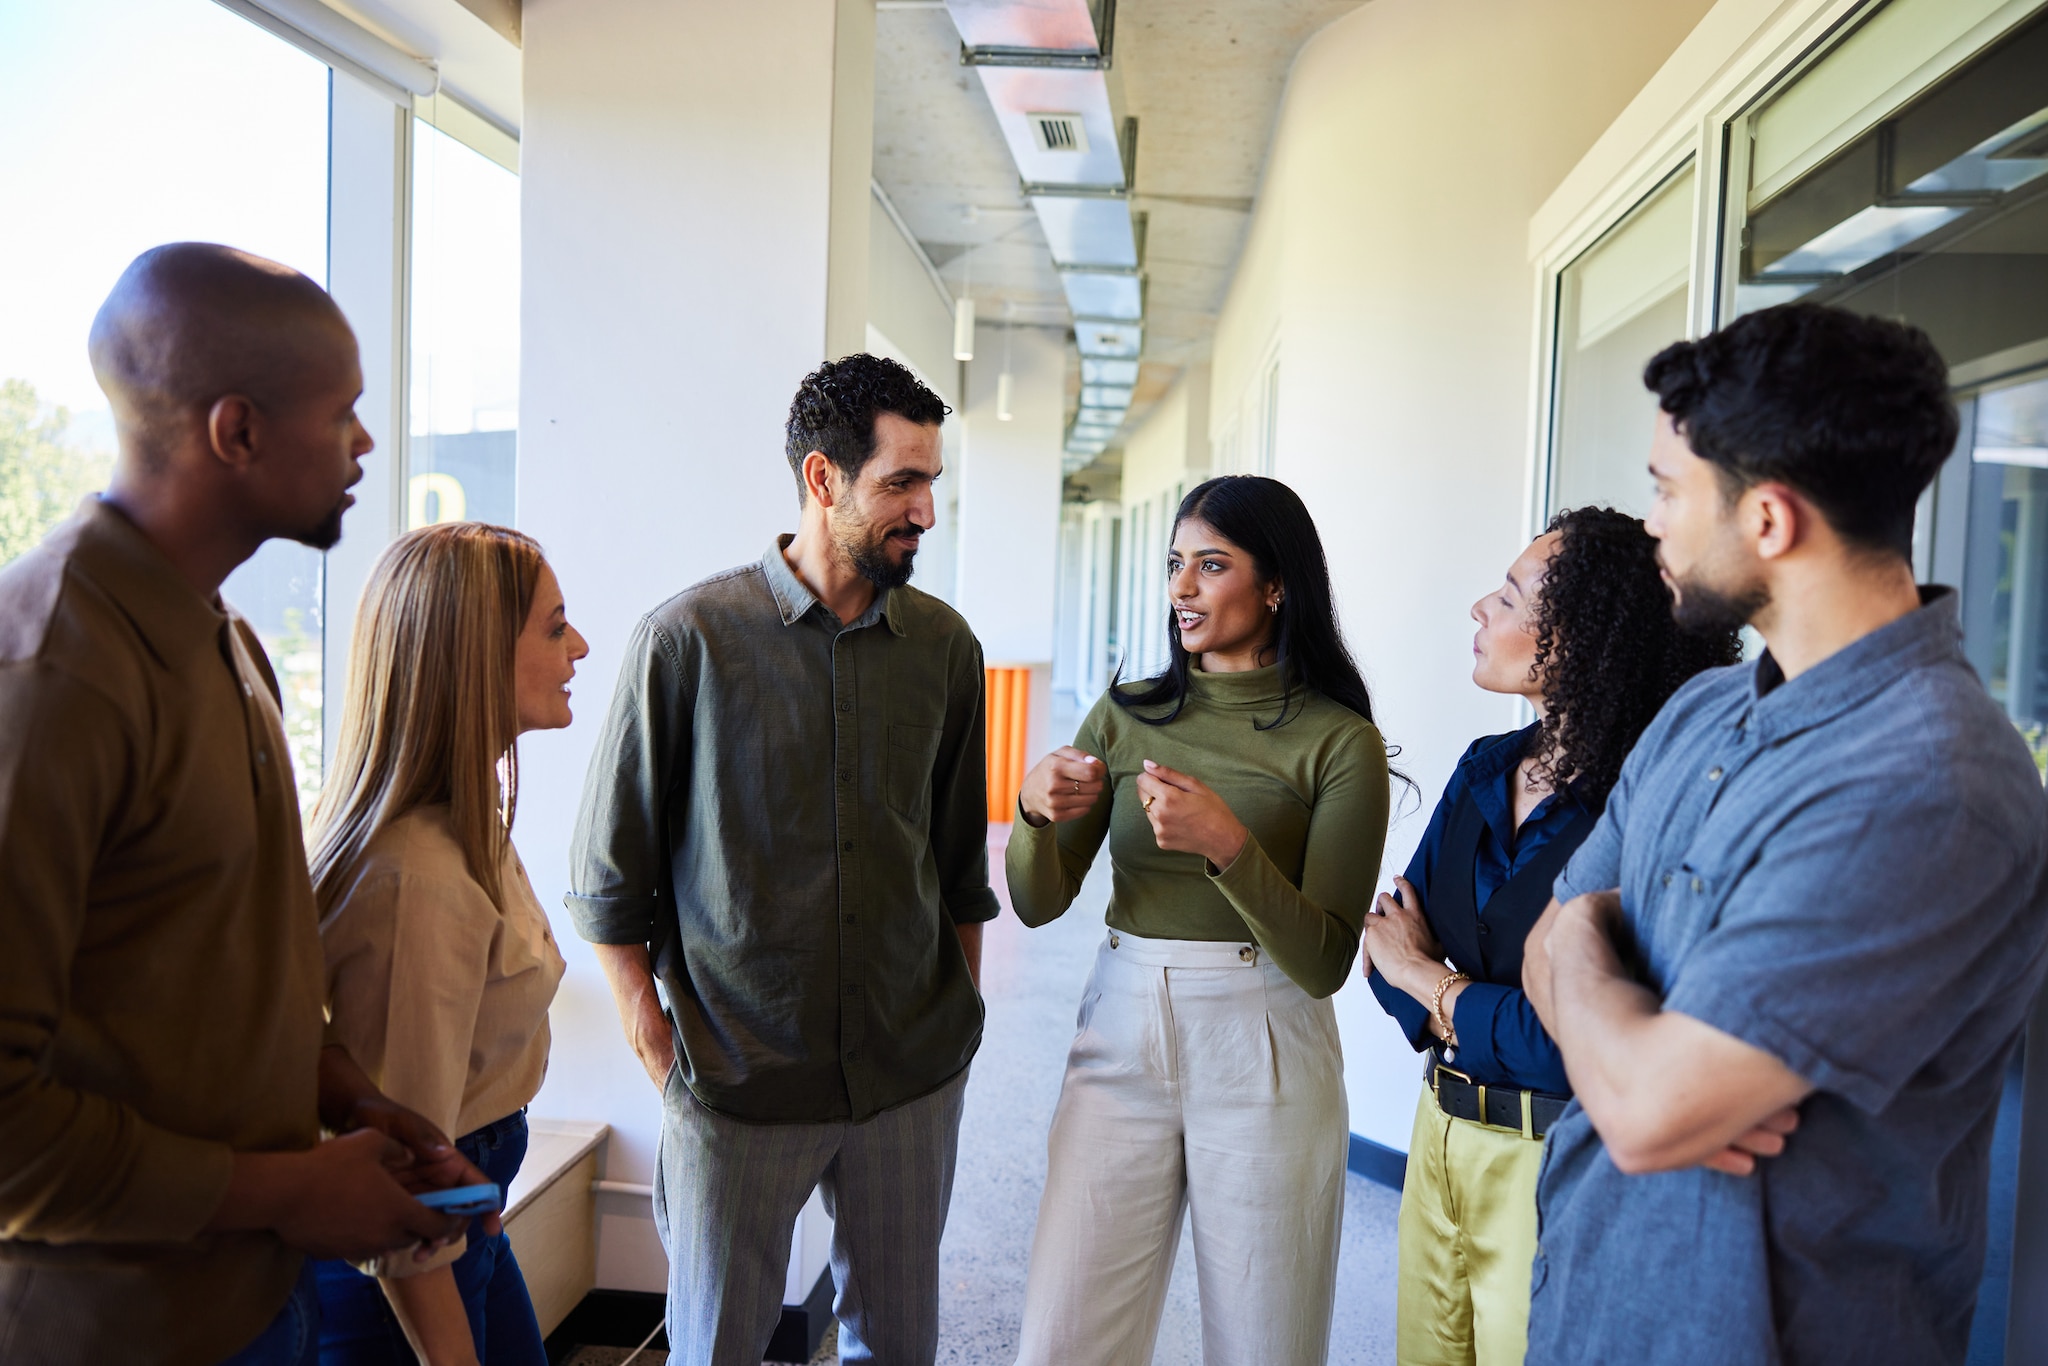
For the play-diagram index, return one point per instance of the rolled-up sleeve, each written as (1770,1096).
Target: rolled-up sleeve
(1856,983)
(959,829)
(618,854)
(75,1166)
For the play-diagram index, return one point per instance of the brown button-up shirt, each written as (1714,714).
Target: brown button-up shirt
(160,968)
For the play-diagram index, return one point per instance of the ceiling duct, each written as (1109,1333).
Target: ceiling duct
(1041,63)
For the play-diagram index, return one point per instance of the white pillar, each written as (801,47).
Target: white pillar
(694,211)
(1006,570)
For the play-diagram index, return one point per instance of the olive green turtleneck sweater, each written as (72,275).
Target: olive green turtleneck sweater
(1313,793)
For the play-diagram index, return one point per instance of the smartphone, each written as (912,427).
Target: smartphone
(466,1200)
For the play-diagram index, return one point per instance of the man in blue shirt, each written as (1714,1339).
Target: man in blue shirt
(1815,899)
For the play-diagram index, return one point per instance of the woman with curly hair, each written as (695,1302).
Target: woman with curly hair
(1582,629)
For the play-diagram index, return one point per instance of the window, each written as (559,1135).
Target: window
(2005,566)
(1934,210)
(465,330)
(117,120)
(1623,300)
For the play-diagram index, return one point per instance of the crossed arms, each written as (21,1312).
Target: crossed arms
(1663,1089)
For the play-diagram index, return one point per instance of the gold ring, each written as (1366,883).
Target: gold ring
(1077,787)
(1146,805)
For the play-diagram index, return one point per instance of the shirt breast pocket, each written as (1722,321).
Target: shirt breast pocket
(913,750)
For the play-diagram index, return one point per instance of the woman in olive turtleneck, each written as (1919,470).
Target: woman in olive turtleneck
(1243,792)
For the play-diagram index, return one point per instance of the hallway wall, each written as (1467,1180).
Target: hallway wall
(1387,269)
(694,214)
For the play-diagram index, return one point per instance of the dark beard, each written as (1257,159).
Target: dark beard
(874,564)
(870,555)
(1704,611)
(327,535)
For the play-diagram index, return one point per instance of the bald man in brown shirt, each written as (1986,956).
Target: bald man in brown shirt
(162,1079)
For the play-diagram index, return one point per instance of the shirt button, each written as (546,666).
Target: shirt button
(262,756)
(1714,774)
(1245,954)
(851,919)
(847,846)
(248,691)
(846,706)
(845,775)
(1113,940)
(1698,886)
(853,1055)
(1667,879)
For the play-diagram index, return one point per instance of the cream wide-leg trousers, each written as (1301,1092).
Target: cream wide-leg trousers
(1201,1079)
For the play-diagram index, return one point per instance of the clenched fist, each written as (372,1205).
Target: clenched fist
(1063,786)
(1188,817)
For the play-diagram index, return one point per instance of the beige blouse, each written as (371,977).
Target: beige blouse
(440,998)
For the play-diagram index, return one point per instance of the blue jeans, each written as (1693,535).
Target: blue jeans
(357,1327)
(293,1337)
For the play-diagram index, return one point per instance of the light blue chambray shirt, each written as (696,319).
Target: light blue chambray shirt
(1847,871)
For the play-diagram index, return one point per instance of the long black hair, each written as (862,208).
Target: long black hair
(1267,520)
(1607,649)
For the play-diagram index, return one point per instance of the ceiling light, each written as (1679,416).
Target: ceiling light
(963,329)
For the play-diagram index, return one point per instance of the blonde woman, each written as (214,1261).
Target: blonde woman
(440,962)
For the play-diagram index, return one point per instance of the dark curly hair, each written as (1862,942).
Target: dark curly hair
(1607,649)
(1854,412)
(834,410)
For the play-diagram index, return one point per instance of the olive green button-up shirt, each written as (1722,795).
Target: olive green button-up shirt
(793,813)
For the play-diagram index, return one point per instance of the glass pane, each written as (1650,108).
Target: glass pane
(118,116)
(1619,303)
(1938,214)
(2005,576)
(465,334)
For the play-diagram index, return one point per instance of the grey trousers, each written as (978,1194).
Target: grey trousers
(726,1198)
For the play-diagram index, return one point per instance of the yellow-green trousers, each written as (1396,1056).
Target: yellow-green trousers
(1468,1240)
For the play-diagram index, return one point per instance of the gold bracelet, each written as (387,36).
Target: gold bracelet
(1436,1006)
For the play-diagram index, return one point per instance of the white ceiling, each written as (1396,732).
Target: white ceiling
(1204,79)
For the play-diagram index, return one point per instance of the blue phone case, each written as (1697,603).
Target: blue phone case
(481,1199)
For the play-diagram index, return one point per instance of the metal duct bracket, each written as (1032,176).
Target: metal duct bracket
(1034,56)
(1035,190)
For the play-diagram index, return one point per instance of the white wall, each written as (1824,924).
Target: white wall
(1388,264)
(690,205)
(905,305)
(1010,495)
(1172,447)
(911,320)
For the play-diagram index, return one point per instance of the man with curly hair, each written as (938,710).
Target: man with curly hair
(785,826)
(1788,967)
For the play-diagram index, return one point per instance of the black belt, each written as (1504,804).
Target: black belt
(1528,1113)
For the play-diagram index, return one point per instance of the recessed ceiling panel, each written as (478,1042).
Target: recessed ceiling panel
(1109,372)
(1087,232)
(1118,341)
(1103,396)
(1094,295)
(1018,92)
(1042,25)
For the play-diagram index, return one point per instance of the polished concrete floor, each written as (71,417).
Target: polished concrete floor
(1032,980)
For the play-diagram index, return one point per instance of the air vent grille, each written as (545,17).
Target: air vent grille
(1058,132)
